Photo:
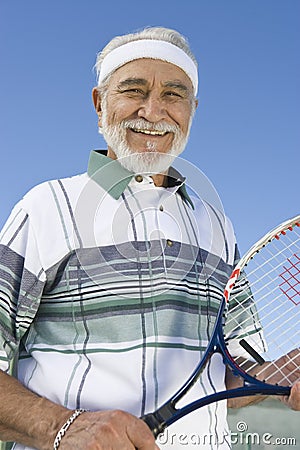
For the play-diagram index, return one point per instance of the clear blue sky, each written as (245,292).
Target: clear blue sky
(246,132)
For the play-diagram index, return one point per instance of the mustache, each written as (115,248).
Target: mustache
(143,124)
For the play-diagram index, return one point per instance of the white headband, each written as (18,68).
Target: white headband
(149,48)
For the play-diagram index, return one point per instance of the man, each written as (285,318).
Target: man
(104,282)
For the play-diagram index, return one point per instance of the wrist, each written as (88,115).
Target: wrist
(60,434)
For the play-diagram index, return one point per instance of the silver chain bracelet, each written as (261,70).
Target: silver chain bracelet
(66,426)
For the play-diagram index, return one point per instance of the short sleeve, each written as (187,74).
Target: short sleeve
(22,280)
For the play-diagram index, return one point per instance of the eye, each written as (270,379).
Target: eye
(133,91)
(172,94)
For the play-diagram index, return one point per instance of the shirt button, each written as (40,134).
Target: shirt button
(169,243)
(161,208)
(139,178)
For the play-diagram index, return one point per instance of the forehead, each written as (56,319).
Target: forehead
(151,70)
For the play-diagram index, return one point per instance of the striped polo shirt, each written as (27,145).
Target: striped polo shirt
(109,290)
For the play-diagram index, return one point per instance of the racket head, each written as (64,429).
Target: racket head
(261,328)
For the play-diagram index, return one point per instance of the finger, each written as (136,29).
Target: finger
(141,436)
(293,400)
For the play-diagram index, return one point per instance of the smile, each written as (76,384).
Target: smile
(149,132)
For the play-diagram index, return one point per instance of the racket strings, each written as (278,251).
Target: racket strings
(257,274)
(263,308)
(258,279)
(289,370)
(283,323)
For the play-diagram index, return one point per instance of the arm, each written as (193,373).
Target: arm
(34,421)
(26,417)
(233,382)
(287,365)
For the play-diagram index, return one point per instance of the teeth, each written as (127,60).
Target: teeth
(152,133)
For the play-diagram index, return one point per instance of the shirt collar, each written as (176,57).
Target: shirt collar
(114,178)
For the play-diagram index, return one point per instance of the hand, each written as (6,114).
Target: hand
(290,367)
(108,430)
(293,400)
(285,371)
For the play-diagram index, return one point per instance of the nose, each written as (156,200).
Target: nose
(152,109)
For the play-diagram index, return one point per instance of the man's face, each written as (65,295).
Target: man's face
(146,111)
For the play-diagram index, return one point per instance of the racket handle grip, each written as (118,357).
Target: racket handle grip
(157,420)
(155,425)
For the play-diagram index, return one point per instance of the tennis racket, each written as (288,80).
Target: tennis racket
(257,328)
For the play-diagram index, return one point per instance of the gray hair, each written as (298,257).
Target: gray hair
(155,33)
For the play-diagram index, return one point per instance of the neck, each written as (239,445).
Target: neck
(159,179)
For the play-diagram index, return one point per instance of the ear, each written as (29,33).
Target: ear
(97,104)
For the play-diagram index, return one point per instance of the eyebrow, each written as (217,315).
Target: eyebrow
(132,82)
(176,85)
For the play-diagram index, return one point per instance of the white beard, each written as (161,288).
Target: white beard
(152,161)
